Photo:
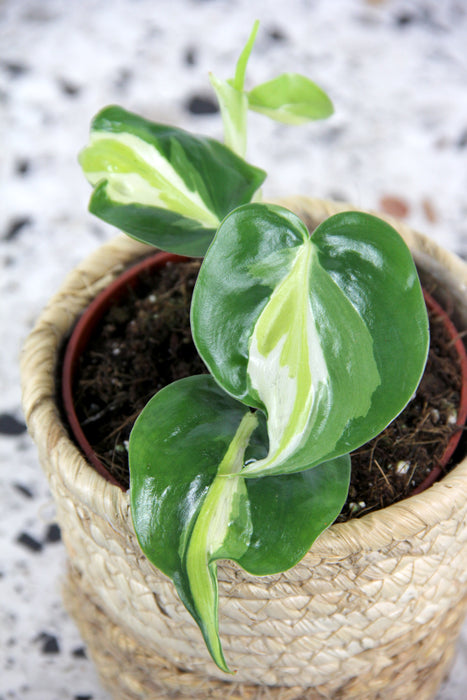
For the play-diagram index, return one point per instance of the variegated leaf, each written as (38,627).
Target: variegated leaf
(161,184)
(327,334)
(191,505)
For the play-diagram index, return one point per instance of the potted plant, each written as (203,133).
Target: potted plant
(313,343)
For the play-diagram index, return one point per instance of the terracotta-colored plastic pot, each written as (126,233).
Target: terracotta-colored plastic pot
(438,469)
(86,326)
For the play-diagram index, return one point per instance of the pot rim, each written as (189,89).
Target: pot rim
(454,440)
(92,315)
(68,471)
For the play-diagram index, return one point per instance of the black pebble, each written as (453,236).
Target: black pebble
(123,79)
(22,166)
(191,57)
(68,88)
(202,105)
(277,34)
(9,425)
(29,542)
(15,69)
(15,226)
(50,643)
(462,140)
(53,533)
(24,490)
(79,653)
(83,697)
(405,18)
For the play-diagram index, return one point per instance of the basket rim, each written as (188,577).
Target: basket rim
(41,354)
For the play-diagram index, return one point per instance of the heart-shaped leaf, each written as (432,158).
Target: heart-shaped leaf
(291,98)
(162,185)
(191,505)
(327,334)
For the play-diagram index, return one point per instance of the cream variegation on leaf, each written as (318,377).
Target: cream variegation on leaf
(160,184)
(302,344)
(296,374)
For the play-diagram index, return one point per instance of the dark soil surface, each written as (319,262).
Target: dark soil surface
(143,344)
(146,343)
(393,464)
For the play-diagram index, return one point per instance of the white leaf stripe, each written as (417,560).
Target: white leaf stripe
(311,362)
(137,173)
(217,514)
(283,340)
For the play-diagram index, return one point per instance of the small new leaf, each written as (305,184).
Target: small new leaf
(162,185)
(233,101)
(290,98)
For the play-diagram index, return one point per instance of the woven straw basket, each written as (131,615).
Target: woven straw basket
(373,611)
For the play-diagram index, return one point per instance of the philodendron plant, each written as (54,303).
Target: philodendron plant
(314,343)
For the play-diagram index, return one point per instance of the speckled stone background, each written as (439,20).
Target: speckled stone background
(397,73)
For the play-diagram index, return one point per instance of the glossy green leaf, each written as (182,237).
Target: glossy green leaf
(191,505)
(327,335)
(162,185)
(291,98)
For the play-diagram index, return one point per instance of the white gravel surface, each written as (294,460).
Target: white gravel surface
(397,73)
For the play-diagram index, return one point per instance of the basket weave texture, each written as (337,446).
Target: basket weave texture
(372,611)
